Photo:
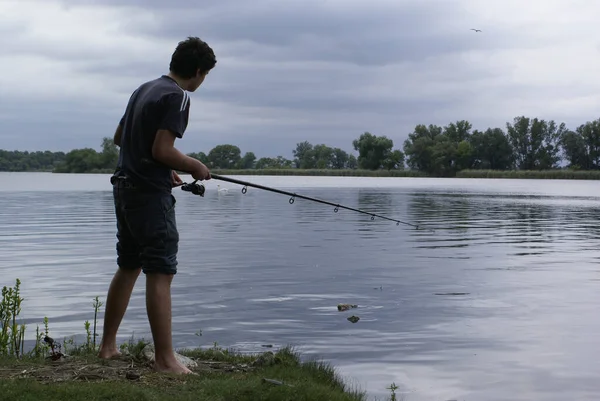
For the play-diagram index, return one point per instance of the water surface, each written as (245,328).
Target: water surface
(256,270)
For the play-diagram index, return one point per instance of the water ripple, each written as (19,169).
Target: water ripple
(256,270)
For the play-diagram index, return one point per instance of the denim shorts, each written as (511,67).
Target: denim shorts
(147,235)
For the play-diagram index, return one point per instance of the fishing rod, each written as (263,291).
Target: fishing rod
(199,189)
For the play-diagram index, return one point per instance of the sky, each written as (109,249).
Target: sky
(323,71)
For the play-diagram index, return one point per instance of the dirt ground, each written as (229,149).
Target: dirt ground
(88,369)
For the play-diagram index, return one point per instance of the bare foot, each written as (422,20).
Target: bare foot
(172,367)
(109,353)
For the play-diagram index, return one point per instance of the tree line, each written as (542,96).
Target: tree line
(525,144)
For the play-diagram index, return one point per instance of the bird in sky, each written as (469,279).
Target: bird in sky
(476,30)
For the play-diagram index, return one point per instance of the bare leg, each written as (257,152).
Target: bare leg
(158,306)
(117,300)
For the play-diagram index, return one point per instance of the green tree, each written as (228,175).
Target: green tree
(278,162)
(110,154)
(459,131)
(590,132)
(491,150)
(581,148)
(352,162)
(464,157)
(340,159)
(440,151)
(394,161)
(373,151)
(224,156)
(419,147)
(304,155)
(535,142)
(248,161)
(458,154)
(443,156)
(200,156)
(323,156)
(81,161)
(575,151)
(15,160)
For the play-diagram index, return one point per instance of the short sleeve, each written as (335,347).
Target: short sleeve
(129,103)
(176,108)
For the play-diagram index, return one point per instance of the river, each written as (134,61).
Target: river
(516,262)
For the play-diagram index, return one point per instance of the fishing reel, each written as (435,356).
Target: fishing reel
(196,189)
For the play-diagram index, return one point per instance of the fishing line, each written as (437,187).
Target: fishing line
(199,189)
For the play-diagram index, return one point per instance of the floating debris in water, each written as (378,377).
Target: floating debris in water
(353,319)
(345,307)
(453,293)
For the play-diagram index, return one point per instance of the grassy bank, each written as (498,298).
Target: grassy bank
(323,172)
(55,370)
(565,174)
(515,174)
(300,172)
(222,375)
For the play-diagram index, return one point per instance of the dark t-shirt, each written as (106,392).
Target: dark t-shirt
(157,104)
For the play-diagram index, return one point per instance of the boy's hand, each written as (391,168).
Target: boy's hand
(176,179)
(201,172)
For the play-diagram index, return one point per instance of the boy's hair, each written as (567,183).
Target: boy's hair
(190,55)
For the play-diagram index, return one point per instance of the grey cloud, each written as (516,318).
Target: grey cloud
(362,37)
(359,33)
(304,87)
(154,4)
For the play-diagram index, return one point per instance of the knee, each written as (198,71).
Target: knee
(163,269)
(131,270)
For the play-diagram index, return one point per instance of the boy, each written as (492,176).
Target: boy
(147,236)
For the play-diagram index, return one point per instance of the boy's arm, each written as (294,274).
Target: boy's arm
(165,152)
(172,126)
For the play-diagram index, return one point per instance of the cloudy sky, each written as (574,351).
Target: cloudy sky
(288,71)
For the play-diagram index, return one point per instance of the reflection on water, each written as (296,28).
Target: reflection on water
(256,270)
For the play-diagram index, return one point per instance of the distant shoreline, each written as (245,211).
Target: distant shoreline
(565,174)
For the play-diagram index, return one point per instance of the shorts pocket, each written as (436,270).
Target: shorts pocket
(168,203)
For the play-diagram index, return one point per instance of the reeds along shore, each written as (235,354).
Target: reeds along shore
(565,174)
(562,174)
